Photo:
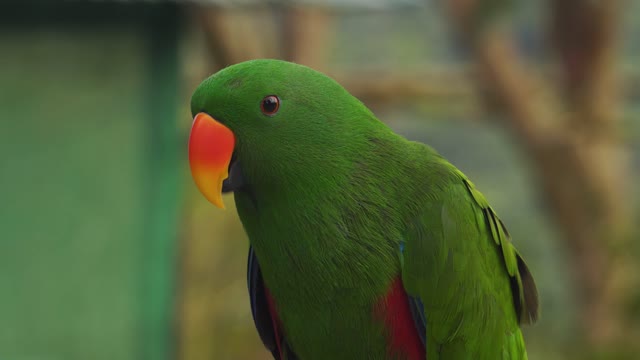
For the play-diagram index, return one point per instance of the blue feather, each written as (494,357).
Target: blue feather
(417,308)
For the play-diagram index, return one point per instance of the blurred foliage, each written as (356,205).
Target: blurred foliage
(87,171)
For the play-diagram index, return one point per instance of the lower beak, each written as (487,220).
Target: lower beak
(211,146)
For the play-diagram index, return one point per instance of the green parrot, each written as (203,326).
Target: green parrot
(363,244)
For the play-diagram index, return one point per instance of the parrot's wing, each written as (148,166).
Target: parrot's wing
(460,267)
(263,318)
(523,287)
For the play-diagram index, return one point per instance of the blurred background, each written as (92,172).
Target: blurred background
(107,250)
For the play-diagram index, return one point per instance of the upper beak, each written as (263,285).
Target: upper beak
(211,146)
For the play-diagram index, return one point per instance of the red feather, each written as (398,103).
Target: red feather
(274,319)
(403,338)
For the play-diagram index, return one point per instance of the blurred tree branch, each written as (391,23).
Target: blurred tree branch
(379,87)
(305,34)
(570,139)
(235,35)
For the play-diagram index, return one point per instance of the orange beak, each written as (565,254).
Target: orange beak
(211,145)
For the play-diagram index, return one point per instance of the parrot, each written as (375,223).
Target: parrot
(362,243)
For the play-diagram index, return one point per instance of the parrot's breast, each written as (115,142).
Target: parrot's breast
(330,259)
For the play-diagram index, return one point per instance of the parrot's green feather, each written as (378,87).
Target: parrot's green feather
(476,296)
(337,207)
(525,292)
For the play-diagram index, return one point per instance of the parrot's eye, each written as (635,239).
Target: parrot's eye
(270,105)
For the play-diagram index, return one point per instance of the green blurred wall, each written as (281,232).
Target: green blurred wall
(88,180)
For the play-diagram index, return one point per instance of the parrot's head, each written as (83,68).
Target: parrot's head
(270,125)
